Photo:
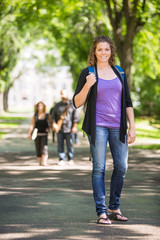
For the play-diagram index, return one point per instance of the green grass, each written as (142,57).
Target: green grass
(148,121)
(147,129)
(151,147)
(1,134)
(12,119)
(147,133)
(9,122)
(8,125)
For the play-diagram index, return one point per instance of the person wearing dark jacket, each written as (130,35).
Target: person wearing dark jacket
(68,127)
(106,96)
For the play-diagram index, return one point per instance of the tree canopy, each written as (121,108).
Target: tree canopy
(71,25)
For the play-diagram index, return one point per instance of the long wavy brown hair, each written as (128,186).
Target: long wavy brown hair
(36,107)
(92,60)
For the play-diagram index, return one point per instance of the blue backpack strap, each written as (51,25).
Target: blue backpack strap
(120,70)
(91,69)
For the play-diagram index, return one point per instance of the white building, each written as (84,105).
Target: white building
(32,86)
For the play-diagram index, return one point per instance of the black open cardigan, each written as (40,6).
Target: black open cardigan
(89,123)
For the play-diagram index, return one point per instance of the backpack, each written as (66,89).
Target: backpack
(120,70)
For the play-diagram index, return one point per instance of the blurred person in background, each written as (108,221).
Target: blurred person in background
(40,122)
(53,132)
(65,113)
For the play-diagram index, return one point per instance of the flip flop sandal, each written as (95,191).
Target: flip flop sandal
(113,216)
(104,223)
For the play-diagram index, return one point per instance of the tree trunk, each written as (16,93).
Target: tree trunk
(126,59)
(5,100)
(1,102)
(133,24)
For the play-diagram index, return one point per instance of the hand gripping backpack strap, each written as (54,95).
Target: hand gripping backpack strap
(91,69)
(120,71)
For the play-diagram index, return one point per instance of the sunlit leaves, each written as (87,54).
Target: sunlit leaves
(69,26)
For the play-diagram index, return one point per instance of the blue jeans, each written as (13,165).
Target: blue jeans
(61,136)
(119,153)
(75,137)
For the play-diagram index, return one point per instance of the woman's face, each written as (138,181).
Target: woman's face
(103,52)
(40,107)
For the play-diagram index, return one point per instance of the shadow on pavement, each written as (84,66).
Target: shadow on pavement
(56,202)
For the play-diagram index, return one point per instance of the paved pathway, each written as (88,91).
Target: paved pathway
(53,202)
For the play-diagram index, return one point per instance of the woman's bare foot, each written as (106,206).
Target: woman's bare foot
(117,216)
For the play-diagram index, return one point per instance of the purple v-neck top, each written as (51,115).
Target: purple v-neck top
(108,105)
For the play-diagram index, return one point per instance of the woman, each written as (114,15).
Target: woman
(108,103)
(41,122)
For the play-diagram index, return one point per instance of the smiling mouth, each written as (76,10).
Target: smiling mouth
(104,57)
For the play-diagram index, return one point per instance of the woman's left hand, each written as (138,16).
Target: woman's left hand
(131,136)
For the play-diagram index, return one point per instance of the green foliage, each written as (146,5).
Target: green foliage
(9,43)
(70,26)
(149,97)
(78,23)
(146,67)
(146,53)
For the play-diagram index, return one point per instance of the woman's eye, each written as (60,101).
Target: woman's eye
(104,50)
